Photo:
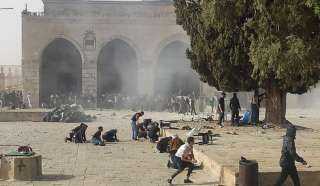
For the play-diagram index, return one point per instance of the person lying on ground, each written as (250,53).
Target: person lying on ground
(80,135)
(110,136)
(174,144)
(96,138)
(184,158)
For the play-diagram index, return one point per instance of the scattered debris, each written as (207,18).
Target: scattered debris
(187,127)
(267,126)
(232,133)
(208,127)
(69,114)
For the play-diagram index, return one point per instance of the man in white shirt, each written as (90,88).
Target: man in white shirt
(184,158)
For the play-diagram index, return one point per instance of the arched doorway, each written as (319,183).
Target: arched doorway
(174,75)
(60,71)
(117,69)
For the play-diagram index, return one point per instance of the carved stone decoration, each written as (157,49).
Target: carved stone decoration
(89,40)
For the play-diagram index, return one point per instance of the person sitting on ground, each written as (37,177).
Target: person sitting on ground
(80,135)
(96,138)
(174,144)
(153,132)
(110,136)
(184,158)
(72,132)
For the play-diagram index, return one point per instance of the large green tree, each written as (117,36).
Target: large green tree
(250,44)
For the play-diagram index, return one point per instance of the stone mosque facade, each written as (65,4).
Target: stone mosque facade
(92,47)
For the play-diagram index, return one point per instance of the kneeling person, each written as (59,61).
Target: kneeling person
(96,138)
(184,158)
(110,136)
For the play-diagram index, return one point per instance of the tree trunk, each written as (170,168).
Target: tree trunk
(275,105)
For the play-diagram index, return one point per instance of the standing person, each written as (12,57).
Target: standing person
(134,127)
(288,158)
(193,107)
(29,100)
(235,108)
(221,109)
(255,105)
(96,138)
(184,158)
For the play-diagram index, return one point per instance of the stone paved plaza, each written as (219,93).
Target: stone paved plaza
(67,164)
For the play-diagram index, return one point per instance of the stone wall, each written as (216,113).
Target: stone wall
(146,26)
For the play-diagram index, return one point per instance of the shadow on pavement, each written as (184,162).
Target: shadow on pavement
(55,177)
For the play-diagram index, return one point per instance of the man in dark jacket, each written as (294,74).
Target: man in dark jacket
(80,135)
(288,158)
(110,136)
(235,108)
(221,109)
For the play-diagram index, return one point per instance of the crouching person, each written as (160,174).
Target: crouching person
(80,135)
(73,132)
(96,138)
(184,158)
(110,136)
(174,144)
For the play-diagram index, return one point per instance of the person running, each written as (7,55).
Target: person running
(288,158)
(184,158)
(134,127)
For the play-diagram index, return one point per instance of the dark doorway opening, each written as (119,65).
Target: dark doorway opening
(61,70)
(174,75)
(117,69)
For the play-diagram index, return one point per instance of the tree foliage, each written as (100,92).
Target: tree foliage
(246,44)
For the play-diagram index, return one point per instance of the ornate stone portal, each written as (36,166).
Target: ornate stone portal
(63,46)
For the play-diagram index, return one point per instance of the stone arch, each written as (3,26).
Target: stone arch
(129,41)
(75,43)
(117,68)
(173,72)
(60,69)
(175,37)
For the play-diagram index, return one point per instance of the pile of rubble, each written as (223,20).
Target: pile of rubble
(68,114)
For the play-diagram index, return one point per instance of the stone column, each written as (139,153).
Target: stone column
(89,74)
(145,77)
(31,80)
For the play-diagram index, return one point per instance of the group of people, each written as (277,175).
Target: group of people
(251,116)
(180,153)
(146,129)
(78,135)
(57,100)
(178,104)
(14,99)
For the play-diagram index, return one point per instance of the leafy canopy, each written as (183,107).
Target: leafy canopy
(245,44)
